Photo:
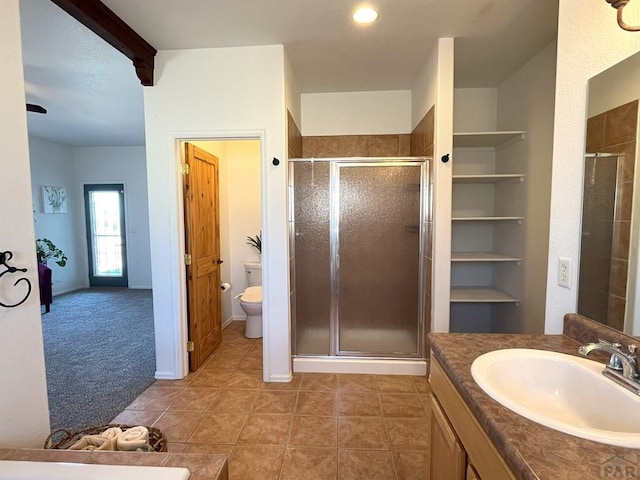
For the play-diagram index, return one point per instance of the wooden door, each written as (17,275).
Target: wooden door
(447,457)
(202,245)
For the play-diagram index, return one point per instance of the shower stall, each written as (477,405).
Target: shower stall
(357,240)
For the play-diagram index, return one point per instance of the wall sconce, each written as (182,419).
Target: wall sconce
(619,5)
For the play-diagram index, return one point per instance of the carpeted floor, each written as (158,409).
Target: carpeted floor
(99,354)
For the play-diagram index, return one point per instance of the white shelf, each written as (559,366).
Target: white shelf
(486,139)
(482,257)
(487,219)
(480,295)
(490,178)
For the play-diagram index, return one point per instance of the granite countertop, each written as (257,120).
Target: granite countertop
(201,466)
(532,451)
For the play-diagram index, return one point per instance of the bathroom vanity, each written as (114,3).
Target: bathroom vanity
(475,437)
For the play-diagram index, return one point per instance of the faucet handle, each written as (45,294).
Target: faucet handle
(632,348)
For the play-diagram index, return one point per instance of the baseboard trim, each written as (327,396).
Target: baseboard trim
(359,365)
(281,378)
(166,376)
(227,322)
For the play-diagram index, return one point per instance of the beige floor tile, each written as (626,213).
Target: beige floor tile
(251,380)
(362,432)
(174,447)
(408,434)
(178,426)
(395,384)
(313,431)
(219,361)
(356,383)
(411,465)
(253,462)
(218,428)
(193,399)
(316,403)
(211,378)
(137,417)
(275,402)
(302,463)
(402,405)
(153,398)
(233,349)
(359,404)
(209,448)
(234,401)
(265,430)
(323,382)
(422,384)
(250,363)
(365,465)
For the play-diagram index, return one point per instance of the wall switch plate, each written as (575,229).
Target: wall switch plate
(564,272)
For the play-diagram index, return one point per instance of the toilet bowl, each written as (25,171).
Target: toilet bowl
(251,300)
(251,303)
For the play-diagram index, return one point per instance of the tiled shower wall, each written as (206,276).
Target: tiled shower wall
(615,131)
(336,146)
(421,145)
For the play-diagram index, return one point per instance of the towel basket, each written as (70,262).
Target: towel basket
(62,439)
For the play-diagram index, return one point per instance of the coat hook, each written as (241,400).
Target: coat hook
(445,158)
(4,258)
(276,162)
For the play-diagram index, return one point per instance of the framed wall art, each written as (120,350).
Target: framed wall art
(54,200)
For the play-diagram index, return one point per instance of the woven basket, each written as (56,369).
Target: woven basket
(62,439)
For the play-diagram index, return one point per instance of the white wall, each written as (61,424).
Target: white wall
(475,109)
(24,411)
(52,165)
(229,92)
(356,113)
(434,85)
(525,102)
(589,41)
(614,87)
(240,214)
(126,165)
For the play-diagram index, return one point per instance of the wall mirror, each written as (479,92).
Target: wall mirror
(609,288)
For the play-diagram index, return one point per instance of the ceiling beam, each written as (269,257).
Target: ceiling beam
(98,18)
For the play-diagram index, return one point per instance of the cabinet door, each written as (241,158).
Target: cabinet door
(471,473)
(447,458)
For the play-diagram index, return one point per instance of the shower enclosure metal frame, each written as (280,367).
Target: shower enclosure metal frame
(336,165)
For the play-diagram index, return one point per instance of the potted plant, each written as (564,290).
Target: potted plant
(46,249)
(256,242)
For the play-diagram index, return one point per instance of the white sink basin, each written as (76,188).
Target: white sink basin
(563,392)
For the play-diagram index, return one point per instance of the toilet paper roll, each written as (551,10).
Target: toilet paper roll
(225,286)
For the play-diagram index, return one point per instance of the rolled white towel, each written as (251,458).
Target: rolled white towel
(112,433)
(92,442)
(133,438)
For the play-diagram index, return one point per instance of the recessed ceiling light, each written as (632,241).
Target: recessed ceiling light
(365,15)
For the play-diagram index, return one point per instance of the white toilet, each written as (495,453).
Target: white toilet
(251,300)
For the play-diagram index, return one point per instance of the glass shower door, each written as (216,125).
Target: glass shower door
(376,219)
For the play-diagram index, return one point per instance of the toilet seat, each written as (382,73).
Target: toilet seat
(252,295)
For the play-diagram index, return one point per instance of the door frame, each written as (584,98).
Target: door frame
(180,333)
(124,219)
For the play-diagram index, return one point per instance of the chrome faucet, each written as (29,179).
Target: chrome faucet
(622,367)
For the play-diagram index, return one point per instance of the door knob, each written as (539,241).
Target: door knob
(220,261)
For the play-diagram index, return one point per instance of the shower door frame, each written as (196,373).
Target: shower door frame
(334,212)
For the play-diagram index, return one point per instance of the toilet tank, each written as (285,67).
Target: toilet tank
(254,273)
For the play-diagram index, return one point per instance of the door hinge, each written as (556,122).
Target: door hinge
(187,259)
(190,346)
(184,168)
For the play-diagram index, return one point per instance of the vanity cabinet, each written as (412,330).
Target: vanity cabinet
(459,449)
(487,242)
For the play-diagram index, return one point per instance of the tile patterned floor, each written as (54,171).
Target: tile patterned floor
(318,427)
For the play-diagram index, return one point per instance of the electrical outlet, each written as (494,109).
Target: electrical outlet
(564,272)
